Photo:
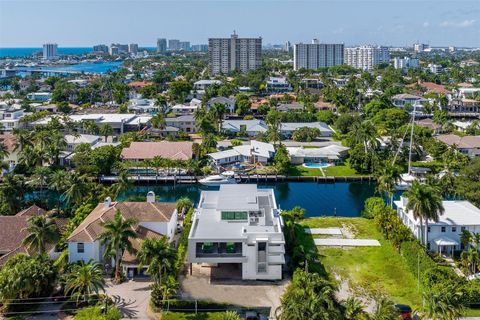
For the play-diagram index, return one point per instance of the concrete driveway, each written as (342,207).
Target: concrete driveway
(131,297)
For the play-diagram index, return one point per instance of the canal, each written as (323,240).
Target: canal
(318,199)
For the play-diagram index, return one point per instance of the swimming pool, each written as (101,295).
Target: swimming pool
(316,165)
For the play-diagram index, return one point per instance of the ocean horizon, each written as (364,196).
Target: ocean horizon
(29,51)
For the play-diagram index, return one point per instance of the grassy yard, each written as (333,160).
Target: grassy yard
(192,316)
(300,170)
(368,269)
(340,171)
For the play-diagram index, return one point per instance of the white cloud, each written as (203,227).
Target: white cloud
(458,24)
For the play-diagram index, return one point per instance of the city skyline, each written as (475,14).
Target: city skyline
(389,22)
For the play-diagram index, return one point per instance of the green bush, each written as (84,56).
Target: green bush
(182,246)
(95,313)
(373,206)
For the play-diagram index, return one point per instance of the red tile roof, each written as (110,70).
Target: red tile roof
(164,149)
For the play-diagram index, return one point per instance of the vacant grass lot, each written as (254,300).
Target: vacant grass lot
(193,316)
(341,171)
(373,269)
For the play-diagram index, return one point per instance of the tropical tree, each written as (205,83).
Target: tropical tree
(41,230)
(384,309)
(12,190)
(159,255)
(58,183)
(470,259)
(184,204)
(353,308)
(387,177)
(218,111)
(78,187)
(274,123)
(105,130)
(84,280)
(122,184)
(117,237)
(442,304)
(366,134)
(158,121)
(426,203)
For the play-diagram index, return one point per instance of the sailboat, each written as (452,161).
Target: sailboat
(406,179)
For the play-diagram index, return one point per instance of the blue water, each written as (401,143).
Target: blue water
(100,67)
(318,199)
(26,52)
(315,165)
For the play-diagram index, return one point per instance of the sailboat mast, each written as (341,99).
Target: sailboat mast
(411,140)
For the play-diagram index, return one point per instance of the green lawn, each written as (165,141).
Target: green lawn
(300,170)
(341,171)
(372,269)
(192,316)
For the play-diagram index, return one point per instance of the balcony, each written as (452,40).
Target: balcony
(218,250)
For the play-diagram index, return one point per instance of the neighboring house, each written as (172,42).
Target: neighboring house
(278,84)
(120,122)
(241,225)
(139,151)
(142,106)
(428,123)
(74,141)
(255,152)
(204,84)
(295,106)
(12,234)
(249,127)
(9,141)
(185,123)
(405,99)
(461,125)
(10,118)
(463,105)
(287,128)
(229,103)
(329,154)
(469,145)
(52,108)
(444,235)
(189,108)
(39,96)
(154,220)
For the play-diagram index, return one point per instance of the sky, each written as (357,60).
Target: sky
(77,23)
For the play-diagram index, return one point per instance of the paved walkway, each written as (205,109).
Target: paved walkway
(327,231)
(331,242)
(131,297)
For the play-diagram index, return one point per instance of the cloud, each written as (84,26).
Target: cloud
(426,24)
(458,24)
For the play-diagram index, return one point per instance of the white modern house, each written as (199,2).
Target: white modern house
(154,220)
(331,154)
(241,225)
(39,96)
(205,83)
(255,152)
(74,141)
(227,102)
(443,235)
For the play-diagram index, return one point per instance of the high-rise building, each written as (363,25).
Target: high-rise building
(133,48)
(100,48)
(50,51)
(287,47)
(162,45)
(200,47)
(228,54)
(173,44)
(317,55)
(185,45)
(420,47)
(117,48)
(366,57)
(405,63)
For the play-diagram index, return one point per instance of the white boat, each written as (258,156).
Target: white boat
(406,179)
(227,177)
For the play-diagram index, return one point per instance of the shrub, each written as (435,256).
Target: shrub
(373,206)
(95,313)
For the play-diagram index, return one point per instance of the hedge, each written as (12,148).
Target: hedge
(183,243)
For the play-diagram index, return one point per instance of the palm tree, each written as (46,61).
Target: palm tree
(84,280)
(365,133)
(169,288)
(274,123)
(466,238)
(40,231)
(12,192)
(183,205)
(470,259)
(3,151)
(386,179)
(231,315)
(426,203)
(161,103)
(117,238)
(442,305)
(353,308)
(78,187)
(158,121)
(159,255)
(122,184)
(106,130)
(384,309)
(58,183)
(218,111)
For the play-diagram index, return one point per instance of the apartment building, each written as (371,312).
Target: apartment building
(161,45)
(100,48)
(241,225)
(317,55)
(405,63)
(173,44)
(229,54)
(366,57)
(50,51)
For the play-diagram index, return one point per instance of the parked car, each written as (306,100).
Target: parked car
(404,311)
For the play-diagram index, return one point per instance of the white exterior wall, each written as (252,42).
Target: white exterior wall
(92,251)
(165,228)
(249,268)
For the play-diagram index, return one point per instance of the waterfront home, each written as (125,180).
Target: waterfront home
(247,127)
(229,103)
(74,141)
(154,220)
(468,145)
(287,128)
(403,100)
(185,123)
(428,123)
(139,151)
(332,154)
(10,117)
(278,84)
(444,235)
(189,108)
(12,234)
(239,225)
(204,84)
(255,152)
(142,106)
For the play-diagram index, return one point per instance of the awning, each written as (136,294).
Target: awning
(445,241)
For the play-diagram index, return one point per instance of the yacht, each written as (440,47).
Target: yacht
(227,177)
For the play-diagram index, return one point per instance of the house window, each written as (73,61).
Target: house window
(454,229)
(429,229)
(80,247)
(463,229)
(444,229)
